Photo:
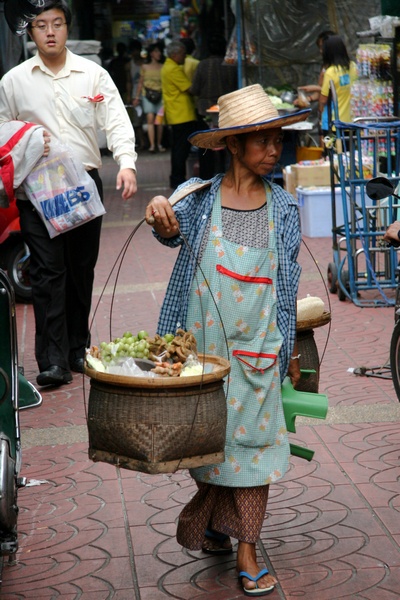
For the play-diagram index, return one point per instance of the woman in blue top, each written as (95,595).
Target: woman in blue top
(241,293)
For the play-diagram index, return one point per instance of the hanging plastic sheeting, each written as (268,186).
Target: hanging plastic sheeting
(14,18)
(19,13)
(11,46)
(283,34)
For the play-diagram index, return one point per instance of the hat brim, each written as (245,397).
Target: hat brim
(214,138)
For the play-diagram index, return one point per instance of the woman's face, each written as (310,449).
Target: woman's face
(261,150)
(156,54)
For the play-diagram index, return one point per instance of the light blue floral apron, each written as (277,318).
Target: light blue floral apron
(243,316)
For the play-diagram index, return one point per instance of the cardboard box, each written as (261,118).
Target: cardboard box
(312,175)
(316,210)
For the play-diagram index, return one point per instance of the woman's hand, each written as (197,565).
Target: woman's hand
(46,143)
(294,366)
(294,371)
(160,215)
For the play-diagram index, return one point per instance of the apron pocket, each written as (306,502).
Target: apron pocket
(250,302)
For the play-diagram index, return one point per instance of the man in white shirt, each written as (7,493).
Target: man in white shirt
(72,98)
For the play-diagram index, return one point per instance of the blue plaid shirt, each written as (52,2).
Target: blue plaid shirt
(193,213)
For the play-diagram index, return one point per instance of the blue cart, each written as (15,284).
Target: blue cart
(358,151)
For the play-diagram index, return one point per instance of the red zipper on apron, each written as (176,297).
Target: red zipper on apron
(239,353)
(246,278)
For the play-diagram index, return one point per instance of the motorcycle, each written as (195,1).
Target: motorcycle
(16,393)
(14,253)
(380,188)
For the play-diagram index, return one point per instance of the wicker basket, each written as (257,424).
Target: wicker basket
(307,347)
(158,425)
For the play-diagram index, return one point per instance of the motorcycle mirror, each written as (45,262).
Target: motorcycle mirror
(379,188)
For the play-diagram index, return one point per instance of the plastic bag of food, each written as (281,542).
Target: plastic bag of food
(302,100)
(130,368)
(248,51)
(191,367)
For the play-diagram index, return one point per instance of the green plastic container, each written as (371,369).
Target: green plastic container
(302,404)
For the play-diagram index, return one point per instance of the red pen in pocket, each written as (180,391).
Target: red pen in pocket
(98,98)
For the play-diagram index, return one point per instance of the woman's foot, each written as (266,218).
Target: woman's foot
(161,148)
(216,543)
(261,582)
(152,149)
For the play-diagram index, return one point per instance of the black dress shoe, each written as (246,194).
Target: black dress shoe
(77,365)
(54,375)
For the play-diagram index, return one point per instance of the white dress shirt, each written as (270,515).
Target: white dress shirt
(64,105)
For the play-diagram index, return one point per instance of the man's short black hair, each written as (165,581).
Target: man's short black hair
(61,5)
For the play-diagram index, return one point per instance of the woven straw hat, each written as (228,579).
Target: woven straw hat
(242,111)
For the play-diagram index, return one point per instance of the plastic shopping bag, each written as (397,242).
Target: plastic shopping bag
(62,192)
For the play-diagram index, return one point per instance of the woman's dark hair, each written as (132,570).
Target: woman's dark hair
(324,35)
(334,52)
(56,4)
(150,49)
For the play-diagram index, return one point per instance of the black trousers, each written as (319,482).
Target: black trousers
(62,274)
(180,148)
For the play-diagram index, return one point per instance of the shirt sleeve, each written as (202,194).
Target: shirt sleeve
(114,120)
(8,112)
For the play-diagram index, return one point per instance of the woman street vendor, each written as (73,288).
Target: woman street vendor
(234,285)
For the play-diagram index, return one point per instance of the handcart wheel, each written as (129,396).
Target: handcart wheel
(18,271)
(345,280)
(332,278)
(395,358)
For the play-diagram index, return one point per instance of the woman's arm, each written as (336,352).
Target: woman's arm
(136,100)
(322,102)
(325,87)
(294,366)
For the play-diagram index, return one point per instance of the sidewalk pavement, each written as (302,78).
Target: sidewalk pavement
(91,531)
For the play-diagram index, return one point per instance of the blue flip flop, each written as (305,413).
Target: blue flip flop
(217,537)
(256,592)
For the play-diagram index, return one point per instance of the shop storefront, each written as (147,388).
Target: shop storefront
(116,21)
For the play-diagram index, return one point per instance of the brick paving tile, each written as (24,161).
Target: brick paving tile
(92,531)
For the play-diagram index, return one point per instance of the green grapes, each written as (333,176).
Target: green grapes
(127,346)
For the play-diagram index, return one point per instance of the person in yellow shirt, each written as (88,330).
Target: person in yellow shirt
(179,110)
(342,72)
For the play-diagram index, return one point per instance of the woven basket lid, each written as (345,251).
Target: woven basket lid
(324,319)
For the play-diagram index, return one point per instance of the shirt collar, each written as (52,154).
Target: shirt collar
(72,63)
